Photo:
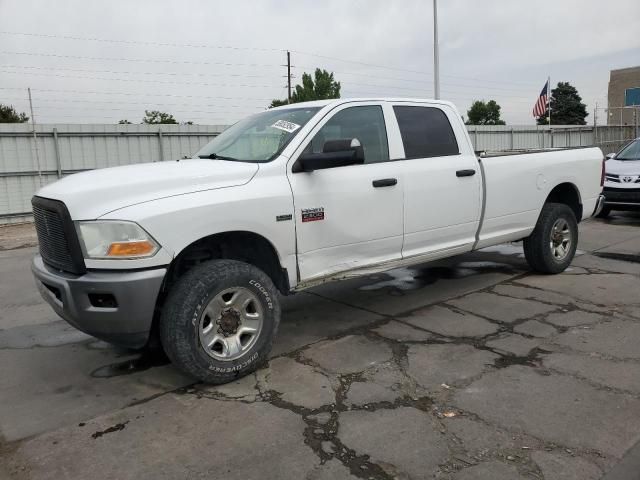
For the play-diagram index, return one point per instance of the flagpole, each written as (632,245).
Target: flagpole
(549,97)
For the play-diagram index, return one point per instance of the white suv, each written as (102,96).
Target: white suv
(622,179)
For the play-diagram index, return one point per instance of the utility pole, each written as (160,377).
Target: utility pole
(595,124)
(436,55)
(35,136)
(288,76)
(549,97)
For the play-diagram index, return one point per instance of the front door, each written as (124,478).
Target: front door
(350,216)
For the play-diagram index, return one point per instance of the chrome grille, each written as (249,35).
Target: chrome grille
(56,236)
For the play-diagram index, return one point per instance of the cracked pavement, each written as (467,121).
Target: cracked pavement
(468,368)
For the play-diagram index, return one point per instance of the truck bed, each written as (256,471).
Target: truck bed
(516,185)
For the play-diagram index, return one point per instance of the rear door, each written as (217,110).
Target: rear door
(349,216)
(441,178)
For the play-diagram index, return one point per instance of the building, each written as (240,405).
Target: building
(624,96)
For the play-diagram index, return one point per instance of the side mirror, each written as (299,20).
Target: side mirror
(335,153)
(610,156)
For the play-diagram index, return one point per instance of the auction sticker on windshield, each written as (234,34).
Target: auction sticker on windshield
(286,126)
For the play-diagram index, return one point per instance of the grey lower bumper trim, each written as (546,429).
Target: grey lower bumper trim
(127,324)
(599,205)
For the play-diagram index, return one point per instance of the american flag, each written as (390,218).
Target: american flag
(540,108)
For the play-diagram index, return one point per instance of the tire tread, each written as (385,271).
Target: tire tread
(190,288)
(536,251)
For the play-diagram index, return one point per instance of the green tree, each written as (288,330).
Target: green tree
(321,87)
(154,117)
(484,113)
(278,103)
(124,122)
(8,114)
(566,107)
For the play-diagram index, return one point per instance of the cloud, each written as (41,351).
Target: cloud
(489,49)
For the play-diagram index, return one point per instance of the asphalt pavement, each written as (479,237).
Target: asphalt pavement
(469,368)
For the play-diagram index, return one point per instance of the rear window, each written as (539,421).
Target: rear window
(426,132)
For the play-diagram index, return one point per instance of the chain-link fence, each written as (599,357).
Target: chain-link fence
(619,126)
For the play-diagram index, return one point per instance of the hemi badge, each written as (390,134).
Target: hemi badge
(284,218)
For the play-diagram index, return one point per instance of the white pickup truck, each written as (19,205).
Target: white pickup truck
(197,251)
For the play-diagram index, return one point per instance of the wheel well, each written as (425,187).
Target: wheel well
(246,247)
(568,194)
(243,246)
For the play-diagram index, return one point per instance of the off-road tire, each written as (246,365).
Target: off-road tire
(179,321)
(537,248)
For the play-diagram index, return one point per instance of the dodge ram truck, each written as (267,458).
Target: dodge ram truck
(196,252)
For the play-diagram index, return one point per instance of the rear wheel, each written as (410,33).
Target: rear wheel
(219,320)
(552,244)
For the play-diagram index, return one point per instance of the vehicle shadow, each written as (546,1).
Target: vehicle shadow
(622,218)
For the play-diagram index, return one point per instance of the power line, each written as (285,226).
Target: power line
(138,110)
(448,85)
(229,47)
(123,72)
(224,121)
(141,60)
(138,94)
(120,102)
(159,82)
(137,42)
(418,72)
(327,57)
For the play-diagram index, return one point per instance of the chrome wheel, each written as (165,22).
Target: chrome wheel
(560,241)
(231,323)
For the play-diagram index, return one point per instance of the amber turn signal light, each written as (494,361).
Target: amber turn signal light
(131,249)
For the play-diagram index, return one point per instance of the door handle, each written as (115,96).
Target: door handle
(466,173)
(384,182)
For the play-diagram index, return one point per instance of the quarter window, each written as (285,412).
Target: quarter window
(364,123)
(426,132)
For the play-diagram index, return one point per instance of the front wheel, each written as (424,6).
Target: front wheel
(552,244)
(219,320)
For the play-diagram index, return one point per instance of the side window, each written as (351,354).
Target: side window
(426,132)
(364,123)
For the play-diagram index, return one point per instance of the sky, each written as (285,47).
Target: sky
(214,62)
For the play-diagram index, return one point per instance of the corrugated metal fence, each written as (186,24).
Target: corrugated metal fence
(508,137)
(62,149)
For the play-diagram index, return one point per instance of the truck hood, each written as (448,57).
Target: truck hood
(622,167)
(89,195)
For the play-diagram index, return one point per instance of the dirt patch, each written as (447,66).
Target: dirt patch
(17,236)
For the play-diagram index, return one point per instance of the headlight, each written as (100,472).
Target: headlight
(115,239)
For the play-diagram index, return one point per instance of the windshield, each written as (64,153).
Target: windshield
(258,138)
(630,152)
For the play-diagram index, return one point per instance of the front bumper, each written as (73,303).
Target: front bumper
(622,198)
(123,319)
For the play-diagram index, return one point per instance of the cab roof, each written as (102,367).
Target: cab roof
(340,101)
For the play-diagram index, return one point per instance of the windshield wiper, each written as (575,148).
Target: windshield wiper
(215,156)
